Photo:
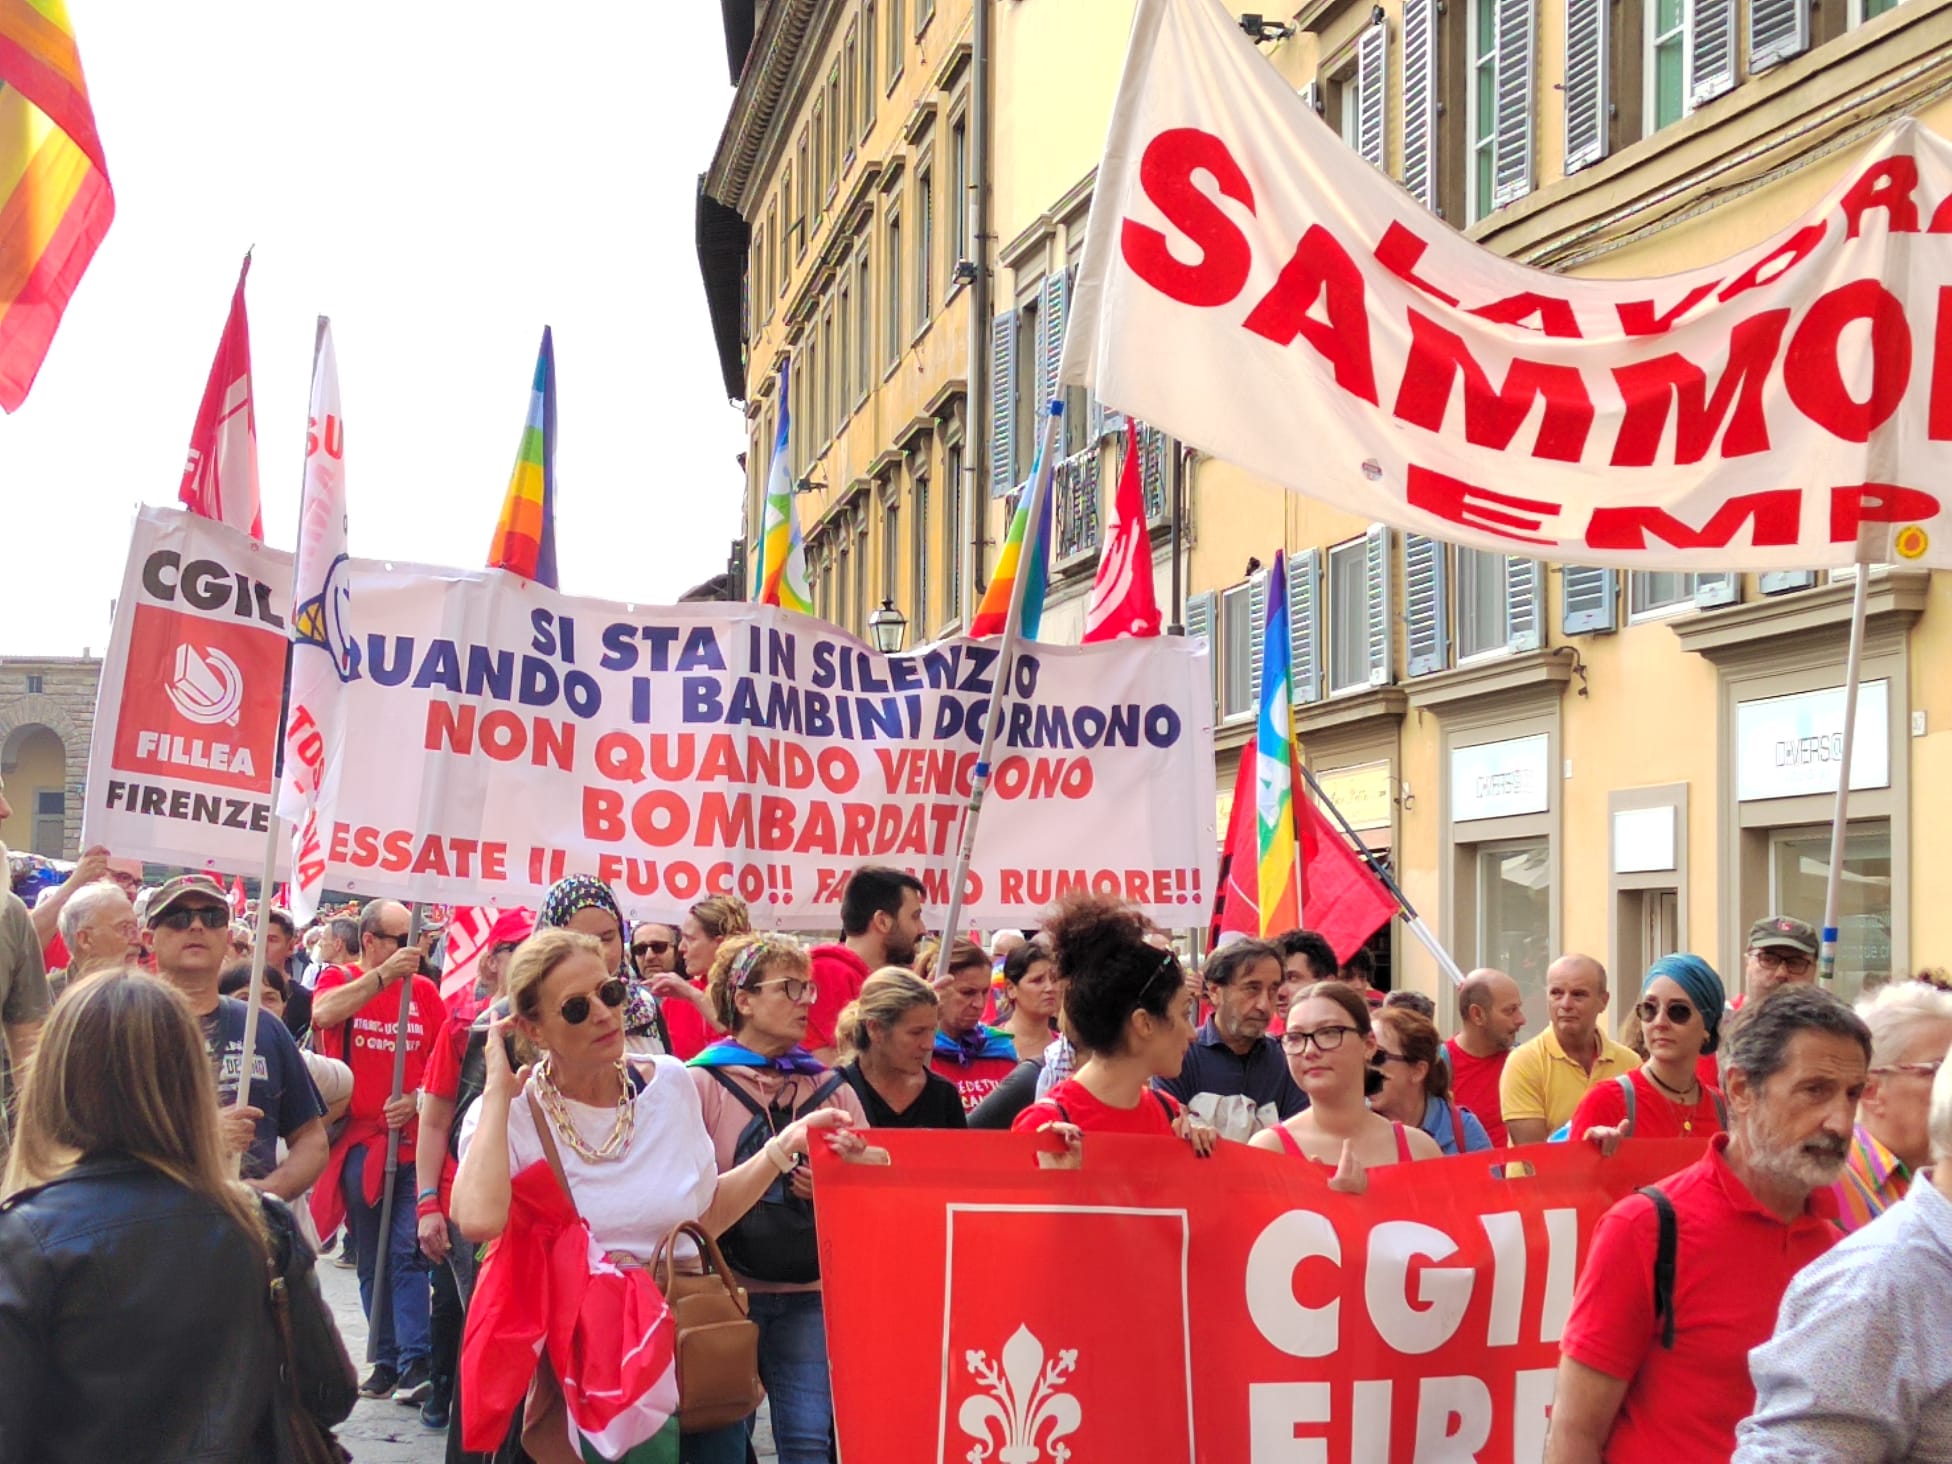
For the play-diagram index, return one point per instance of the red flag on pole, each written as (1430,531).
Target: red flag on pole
(1122,600)
(239,901)
(1341,899)
(220,480)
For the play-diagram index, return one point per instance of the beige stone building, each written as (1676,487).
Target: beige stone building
(47,714)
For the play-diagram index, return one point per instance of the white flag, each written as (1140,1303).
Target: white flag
(323,654)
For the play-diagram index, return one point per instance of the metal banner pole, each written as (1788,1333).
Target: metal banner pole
(380,1295)
(1833,887)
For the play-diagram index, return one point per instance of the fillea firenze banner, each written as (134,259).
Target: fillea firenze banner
(499,734)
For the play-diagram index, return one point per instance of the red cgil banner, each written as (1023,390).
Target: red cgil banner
(1234,1310)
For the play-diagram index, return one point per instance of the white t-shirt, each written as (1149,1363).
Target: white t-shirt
(666,1177)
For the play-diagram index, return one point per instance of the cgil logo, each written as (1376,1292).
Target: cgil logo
(205,685)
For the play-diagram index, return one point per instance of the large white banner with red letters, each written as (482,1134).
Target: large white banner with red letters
(1253,286)
(1156,1307)
(500,734)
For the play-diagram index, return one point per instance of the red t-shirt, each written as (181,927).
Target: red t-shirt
(364,1041)
(976,1080)
(1071,1102)
(839,974)
(1733,1261)
(690,1033)
(1474,1085)
(443,1076)
(1655,1115)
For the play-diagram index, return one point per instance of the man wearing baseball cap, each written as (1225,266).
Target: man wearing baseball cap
(1782,952)
(187,930)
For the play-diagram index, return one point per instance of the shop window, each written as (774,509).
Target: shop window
(1799,865)
(1514,915)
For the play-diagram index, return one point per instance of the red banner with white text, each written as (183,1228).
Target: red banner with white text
(1255,287)
(1234,1310)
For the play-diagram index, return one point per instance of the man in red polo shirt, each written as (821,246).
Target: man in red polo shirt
(1490,1015)
(1667,1380)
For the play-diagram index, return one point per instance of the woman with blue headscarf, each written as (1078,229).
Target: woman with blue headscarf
(1680,1011)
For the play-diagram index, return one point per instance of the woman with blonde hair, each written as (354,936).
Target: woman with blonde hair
(890,1030)
(124,1244)
(687,1009)
(756,1081)
(1416,1082)
(635,1157)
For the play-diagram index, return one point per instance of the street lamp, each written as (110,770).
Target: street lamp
(888,628)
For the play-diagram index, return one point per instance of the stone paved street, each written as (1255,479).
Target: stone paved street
(381,1431)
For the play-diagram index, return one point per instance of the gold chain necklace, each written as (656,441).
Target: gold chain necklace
(556,1106)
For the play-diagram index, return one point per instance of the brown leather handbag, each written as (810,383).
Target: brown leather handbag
(717,1342)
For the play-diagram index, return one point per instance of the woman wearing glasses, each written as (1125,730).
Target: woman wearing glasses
(1130,1011)
(1416,1082)
(1330,1042)
(761,1078)
(633,1147)
(1680,1011)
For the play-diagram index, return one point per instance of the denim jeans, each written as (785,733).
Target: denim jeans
(403,1329)
(721,1446)
(793,1366)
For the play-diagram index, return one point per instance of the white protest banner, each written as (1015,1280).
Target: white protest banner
(1254,287)
(499,734)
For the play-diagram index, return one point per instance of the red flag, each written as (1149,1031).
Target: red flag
(283,902)
(220,480)
(239,901)
(1122,600)
(1341,899)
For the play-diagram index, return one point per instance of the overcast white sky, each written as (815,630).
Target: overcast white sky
(442,180)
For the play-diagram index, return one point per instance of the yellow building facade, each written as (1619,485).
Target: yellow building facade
(1551,759)
(1558,760)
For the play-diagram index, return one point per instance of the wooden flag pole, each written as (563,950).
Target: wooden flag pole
(1040,489)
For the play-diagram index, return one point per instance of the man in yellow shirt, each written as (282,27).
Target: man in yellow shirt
(1544,1079)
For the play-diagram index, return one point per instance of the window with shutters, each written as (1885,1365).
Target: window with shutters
(1589,599)
(924,13)
(844,378)
(859,625)
(1027,413)
(1075,506)
(897,39)
(1652,594)
(870,38)
(1499,103)
(958,230)
(817,183)
(1199,629)
(1353,94)
(802,215)
(1483,104)
(891,299)
(1483,602)
(1305,624)
(863,322)
(1348,616)
(1003,404)
(831,370)
(924,238)
(891,549)
(850,86)
(835,120)
(952,491)
(1863,10)
(1778,30)
(1665,95)
(918,568)
(1238,649)
(796,226)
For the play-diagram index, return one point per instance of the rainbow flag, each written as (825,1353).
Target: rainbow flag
(55,199)
(995,609)
(782,570)
(525,536)
(1274,742)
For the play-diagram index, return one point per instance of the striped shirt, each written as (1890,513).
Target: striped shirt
(1874,1180)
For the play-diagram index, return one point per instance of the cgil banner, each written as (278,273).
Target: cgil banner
(1253,286)
(1231,1310)
(499,734)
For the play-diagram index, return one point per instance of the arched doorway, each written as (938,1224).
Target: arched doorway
(34,761)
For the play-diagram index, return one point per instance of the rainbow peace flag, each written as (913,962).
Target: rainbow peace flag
(1274,794)
(525,536)
(994,612)
(782,568)
(55,200)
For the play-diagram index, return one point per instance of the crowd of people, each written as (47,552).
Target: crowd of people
(1765,1302)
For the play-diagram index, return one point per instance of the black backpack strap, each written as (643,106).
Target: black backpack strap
(1165,1103)
(751,1103)
(1664,1248)
(819,1095)
(1721,1108)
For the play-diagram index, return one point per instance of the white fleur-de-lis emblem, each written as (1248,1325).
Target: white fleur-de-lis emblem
(1024,1415)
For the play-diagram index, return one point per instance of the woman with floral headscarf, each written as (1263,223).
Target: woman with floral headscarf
(585,905)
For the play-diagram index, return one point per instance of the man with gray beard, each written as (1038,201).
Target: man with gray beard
(1684,1278)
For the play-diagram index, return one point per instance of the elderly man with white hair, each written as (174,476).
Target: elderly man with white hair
(1860,1366)
(1911,1027)
(98,925)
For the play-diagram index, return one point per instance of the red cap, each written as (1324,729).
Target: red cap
(511,927)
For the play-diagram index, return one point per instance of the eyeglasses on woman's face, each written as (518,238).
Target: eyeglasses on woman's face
(1383,1055)
(1678,1012)
(1326,1039)
(795,989)
(576,1010)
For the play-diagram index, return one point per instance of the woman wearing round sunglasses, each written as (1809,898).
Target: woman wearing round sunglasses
(1680,1011)
(762,990)
(631,1138)
(1416,1082)
(1330,1042)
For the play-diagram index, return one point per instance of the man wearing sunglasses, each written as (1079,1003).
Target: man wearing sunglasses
(188,932)
(653,950)
(356,1015)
